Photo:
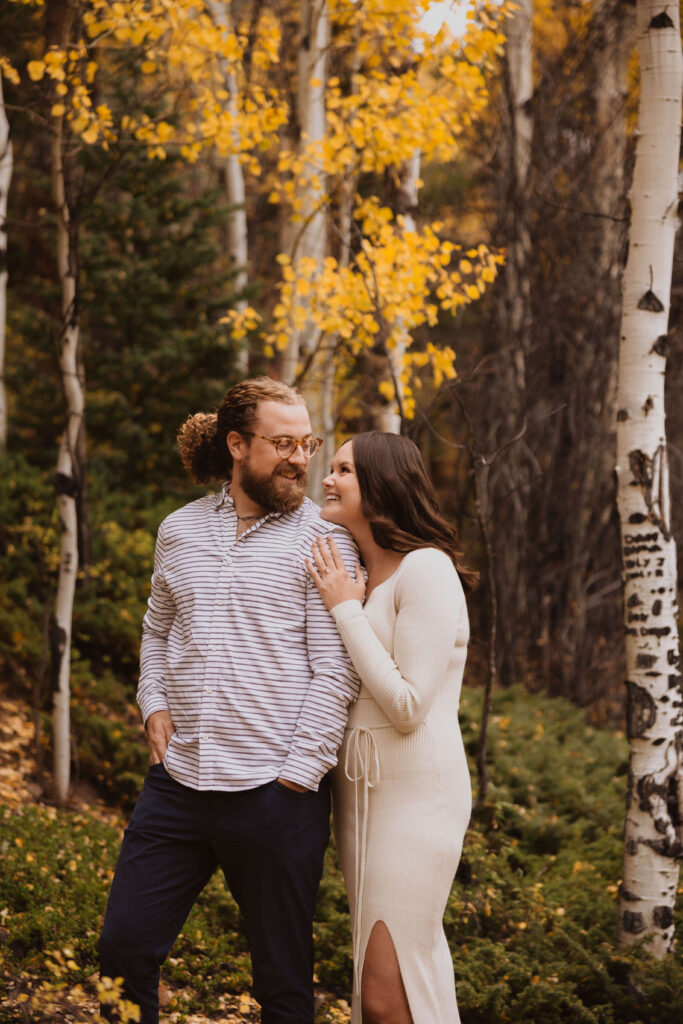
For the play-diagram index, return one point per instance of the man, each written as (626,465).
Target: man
(244,690)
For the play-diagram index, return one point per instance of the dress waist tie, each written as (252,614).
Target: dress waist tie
(361,767)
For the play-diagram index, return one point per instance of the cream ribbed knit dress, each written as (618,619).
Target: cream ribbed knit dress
(402,787)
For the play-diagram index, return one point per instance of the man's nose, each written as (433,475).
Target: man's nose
(298,457)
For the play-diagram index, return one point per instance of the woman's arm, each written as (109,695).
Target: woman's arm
(429,601)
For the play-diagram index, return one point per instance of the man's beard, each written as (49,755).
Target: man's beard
(273,492)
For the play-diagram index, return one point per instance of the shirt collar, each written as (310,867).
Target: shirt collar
(223,498)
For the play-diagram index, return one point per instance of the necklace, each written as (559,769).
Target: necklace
(245,519)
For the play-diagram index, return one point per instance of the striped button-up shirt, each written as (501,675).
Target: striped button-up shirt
(239,648)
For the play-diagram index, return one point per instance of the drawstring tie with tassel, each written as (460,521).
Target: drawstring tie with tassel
(361,766)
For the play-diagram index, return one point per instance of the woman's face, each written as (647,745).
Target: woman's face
(342,493)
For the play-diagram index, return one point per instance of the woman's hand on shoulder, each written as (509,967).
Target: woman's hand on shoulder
(328,572)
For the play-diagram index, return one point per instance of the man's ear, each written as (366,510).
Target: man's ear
(237,445)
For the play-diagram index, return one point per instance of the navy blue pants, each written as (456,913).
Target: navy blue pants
(269,841)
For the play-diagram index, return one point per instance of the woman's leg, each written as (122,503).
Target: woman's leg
(383,996)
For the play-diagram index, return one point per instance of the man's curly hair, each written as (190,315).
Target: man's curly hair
(202,439)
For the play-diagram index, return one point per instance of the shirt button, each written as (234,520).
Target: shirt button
(214,647)
(228,560)
(209,689)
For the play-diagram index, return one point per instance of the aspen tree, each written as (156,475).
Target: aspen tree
(233,176)
(5,179)
(309,245)
(59,18)
(653,840)
(514,327)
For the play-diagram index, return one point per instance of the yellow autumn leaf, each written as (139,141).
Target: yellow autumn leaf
(91,134)
(58,110)
(36,70)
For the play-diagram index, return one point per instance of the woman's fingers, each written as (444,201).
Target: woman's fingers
(337,559)
(324,559)
(318,559)
(312,571)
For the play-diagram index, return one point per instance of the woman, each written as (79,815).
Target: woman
(402,788)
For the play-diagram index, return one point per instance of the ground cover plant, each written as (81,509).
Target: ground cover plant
(530,920)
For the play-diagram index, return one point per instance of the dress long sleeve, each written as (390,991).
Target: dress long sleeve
(430,604)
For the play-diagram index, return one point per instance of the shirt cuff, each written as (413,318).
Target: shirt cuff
(151,703)
(302,772)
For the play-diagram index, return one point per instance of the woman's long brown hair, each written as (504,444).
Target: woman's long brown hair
(399,500)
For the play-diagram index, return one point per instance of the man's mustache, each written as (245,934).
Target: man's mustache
(292,473)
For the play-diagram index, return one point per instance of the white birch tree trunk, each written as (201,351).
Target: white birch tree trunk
(653,840)
(310,233)
(519,52)
(233,176)
(390,415)
(6,166)
(66,480)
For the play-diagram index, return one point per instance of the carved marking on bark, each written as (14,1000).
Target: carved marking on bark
(622,415)
(637,517)
(645,660)
(633,601)
(650,303)
(657,608)
(650,475)
(626,895)
(640,710)
(648,405)
(661,21)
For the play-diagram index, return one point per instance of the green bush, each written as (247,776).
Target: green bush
(530,921)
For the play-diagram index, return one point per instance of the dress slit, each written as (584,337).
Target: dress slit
(376,922)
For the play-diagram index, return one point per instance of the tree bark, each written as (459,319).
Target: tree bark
(310,243)
(233,177)
(66,478)
(653,837)
(6,165)
(513,329)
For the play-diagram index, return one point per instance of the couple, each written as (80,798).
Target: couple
(253,644)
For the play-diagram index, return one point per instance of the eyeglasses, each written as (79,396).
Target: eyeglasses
(286,446)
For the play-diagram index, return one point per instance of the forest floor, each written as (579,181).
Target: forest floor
(73,1004)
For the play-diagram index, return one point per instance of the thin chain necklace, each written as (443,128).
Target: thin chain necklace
(246,519)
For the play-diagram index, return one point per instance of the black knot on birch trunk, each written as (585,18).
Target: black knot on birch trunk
(650,303)
(57,649)
(641,711)
(634,922)
(661,21)
(662,917)
(65,485)
(662,345)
